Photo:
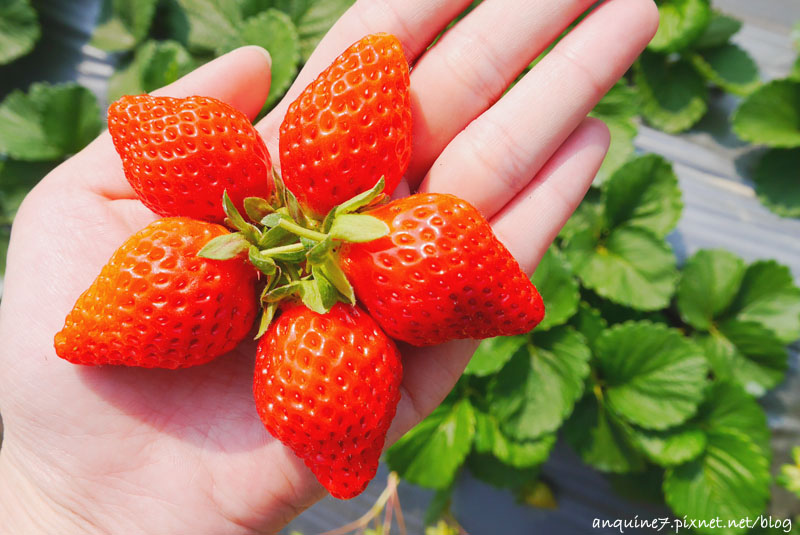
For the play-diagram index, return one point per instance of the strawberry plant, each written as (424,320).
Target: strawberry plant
(691,50)
(40,128)
(160,40)
(646,370)
(771,117)
(789,477)
(19,29)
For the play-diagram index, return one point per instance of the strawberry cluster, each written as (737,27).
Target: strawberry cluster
(305,246)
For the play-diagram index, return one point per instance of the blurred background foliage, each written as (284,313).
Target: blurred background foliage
(651,368)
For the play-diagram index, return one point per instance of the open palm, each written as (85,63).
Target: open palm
(127,450)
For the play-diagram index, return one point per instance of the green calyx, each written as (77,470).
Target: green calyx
(294,252)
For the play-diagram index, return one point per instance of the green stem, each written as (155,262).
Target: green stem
(291,248)
(303,232)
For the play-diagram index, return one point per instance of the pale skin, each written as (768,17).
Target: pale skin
(124,450)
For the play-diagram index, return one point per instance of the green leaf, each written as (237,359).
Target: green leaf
(617,109)
(671,446)
(225,247)
(167,62)
(644,193)
(622,132)
(770,115)
(730,481)
(127,80)
(589,322)
(614,313)
(601,439)
(265,264)
(653,376)
(292,255)
(266,319)
(257,208)
(619,103)
(718,32)
(329,295)
(276,294)
(358,228)
(789,478)
(49,122)
(681,22)
(709,282)
(361,200)
(490,439)
(495,472)
(251,8)
(438,506)
(321,251)
(632,266)
(156,64)
(430,454)
(19,29)
(589,216)
(274,31)
(769,297)
(673,94)
(294,208)
(747,354)
(318,294)
(313,19)
(728,408)
(275,237)
(558,288)
(493,353)
(211,22)
(250,232)
(5,236)
(332,272)
(777,178)
(123,24)
(537,389)
(273,220)
(16,180)
(729,67)
(640,486)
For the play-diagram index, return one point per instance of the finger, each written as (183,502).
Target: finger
(526,226)
(241,78)
(530,222)
(498,153)
(474,62)
(416,23)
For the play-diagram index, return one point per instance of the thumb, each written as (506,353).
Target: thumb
(241,78)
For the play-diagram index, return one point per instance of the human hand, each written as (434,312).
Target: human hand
(130,450)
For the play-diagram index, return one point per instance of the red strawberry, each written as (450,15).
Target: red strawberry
(440,274)
(351,126)
(327,386)
(181,154)
(156,304)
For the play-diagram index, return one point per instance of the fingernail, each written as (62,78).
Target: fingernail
(264,51)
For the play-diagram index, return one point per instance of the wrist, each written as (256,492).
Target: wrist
(26,508)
